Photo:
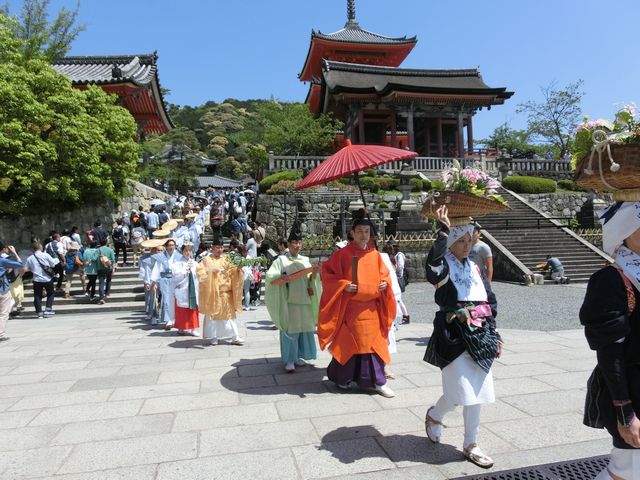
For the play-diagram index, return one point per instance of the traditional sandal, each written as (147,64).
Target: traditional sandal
(477,456)
(429,422)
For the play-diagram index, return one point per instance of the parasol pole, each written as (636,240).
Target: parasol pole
(364,203)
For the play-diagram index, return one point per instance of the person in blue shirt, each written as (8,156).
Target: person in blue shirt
(6,300)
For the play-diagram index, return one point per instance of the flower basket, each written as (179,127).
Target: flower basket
(461,206)
(619,174)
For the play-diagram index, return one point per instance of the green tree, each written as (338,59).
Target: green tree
(173,157)
(515,142)
(554,118)
(59,146)
(40,37)
(291,129)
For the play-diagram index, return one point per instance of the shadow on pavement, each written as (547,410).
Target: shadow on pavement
(418,341)
(262,325)
(252,376)
(398,447)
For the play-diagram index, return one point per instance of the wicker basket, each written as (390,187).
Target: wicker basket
(626,178)
(461,206)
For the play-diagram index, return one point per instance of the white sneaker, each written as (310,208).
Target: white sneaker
(237,341)
(384,391)
(301,363)
(213,341)
(48,313)
(290,367)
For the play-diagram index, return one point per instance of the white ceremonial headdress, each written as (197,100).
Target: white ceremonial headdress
(618,222)
(456,233)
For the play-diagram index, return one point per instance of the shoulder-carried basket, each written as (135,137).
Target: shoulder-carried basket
(461,205)
(624,181)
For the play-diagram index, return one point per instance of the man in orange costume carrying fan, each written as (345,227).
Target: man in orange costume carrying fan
(357,309)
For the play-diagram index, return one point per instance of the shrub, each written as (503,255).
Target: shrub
(370,184)
(416,184)
(570,185)
(426,184)
(523,184)
(383,205)
(371,172)
(384,182)
(395,183)
(283,186)
(270,180)
(437,185)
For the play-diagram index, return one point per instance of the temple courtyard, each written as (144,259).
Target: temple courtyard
(108,397)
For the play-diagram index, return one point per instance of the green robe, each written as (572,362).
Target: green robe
(291,308)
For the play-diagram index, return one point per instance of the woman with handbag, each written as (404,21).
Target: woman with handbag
(464,342)
(612,327)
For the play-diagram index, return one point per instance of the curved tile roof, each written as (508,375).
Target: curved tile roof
(352,33)
(138,69)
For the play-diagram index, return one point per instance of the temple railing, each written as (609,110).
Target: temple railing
(431,166)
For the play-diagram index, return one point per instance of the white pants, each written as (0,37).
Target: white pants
(470,413)
(6,303)
(623,463)
(220,329)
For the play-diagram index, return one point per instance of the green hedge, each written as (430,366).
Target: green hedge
(267,182)
(370,184)
(523,184)
(570,185)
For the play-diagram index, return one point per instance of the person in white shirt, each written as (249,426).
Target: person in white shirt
(400,260)
(41,265)
(252,245)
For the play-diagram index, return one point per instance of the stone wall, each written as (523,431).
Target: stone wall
(558,204)
(20,231)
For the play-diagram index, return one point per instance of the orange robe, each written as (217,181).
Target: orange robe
(355,323)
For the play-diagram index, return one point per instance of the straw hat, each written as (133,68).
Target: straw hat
(191,216)
(152,243)
(161,233)
(170,225)
(179,221)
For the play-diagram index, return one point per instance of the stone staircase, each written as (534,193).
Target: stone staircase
(127,294)
(530,236)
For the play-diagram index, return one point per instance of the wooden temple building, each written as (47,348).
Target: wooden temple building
(355,75)
(133,78)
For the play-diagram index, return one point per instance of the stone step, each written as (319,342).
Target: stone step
(129,306)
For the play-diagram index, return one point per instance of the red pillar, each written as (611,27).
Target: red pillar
(460,135)
(427,137)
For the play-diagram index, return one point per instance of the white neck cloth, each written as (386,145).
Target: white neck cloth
(618,222)
(456,233)
(465,276)
(629,262)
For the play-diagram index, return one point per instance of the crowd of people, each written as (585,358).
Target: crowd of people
(352,302)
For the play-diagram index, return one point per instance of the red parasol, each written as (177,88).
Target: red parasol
(352,159)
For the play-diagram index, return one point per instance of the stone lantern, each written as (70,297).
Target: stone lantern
(406,174)
(503,164)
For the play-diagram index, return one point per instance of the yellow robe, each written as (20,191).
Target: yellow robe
(220,293)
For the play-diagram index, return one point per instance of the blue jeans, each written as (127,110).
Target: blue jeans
(102,289)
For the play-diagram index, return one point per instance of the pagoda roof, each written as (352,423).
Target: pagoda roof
(216,181)
(353,44)
(352,33)
(370,83)
(136,72)
(175,153)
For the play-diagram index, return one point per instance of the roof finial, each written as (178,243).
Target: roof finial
(351,14)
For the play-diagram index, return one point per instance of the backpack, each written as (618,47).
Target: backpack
(103,261)
(118,234)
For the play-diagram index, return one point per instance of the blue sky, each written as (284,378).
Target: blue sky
(217,49)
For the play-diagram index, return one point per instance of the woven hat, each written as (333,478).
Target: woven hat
(170,225)
(152,242)
(191,216)
(179,221)
(161,233)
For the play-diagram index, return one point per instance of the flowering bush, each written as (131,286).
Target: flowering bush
(470,180)
(625,128)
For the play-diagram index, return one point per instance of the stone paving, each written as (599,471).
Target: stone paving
(107,397)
